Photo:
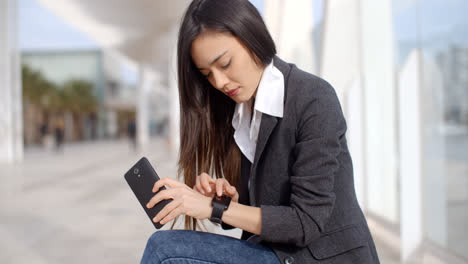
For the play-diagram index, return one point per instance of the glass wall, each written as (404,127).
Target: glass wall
(439,29)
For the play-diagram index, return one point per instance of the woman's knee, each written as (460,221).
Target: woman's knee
(159,238)
(181,242)
(159,246)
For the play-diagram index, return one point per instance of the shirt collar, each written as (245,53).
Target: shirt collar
(270,92)
(269,98)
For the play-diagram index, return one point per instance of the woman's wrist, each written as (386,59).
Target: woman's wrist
(247,218)
(208,208)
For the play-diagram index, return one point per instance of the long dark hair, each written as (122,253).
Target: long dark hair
(206,134)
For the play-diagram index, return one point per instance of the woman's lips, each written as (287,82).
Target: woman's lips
(232,92)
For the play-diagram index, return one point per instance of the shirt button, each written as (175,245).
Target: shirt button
(289,260)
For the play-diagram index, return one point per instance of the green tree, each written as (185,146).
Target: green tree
(37,90)
(77,96)
(74,96)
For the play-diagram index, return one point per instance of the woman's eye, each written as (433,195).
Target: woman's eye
(207,75)
(227,65)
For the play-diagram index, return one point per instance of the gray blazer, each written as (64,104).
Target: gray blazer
(302,178)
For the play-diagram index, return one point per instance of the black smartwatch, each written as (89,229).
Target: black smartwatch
(219,204)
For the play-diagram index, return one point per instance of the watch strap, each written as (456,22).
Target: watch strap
(219,204)
(217,213)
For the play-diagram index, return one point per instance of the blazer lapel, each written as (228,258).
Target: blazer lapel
(267,125)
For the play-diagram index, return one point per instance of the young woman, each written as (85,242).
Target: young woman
(263,149)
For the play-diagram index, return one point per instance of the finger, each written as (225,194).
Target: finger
(205,181)
(166,182)
(166,210)
(220,186)
(173,214)
(159,184)
(231,190)
(162,195)
(198,186)
(235,196)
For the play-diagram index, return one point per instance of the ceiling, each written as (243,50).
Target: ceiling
(141,30)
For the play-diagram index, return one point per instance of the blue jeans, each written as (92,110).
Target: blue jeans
(192,247)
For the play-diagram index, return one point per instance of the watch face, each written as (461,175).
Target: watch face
(224,200)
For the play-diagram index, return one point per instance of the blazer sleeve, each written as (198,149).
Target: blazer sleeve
(320,128)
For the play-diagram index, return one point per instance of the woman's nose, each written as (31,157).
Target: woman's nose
(220,80)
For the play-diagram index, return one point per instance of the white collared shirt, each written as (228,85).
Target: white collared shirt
(269,100)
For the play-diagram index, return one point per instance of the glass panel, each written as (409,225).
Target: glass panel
(440,29)
(445,45)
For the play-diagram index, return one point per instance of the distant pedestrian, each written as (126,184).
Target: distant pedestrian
(131,130)
(59,133)
(43,132)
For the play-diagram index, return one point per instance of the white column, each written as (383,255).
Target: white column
(291,26)
(147,81)
(411,150)
(11,118)
(272,16)
(376,49)
(174,106)
(340,61)
(354,99)
(341,66)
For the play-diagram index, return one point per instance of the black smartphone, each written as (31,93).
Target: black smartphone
(141,178)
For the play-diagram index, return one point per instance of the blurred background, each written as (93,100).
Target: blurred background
(87,87)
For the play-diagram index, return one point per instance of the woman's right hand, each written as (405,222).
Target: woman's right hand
(209,187)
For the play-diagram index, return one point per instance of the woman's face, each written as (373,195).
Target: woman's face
(227,64)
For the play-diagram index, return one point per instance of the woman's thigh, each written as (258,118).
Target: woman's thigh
(190,247)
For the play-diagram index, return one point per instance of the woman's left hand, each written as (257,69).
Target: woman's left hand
(185,201)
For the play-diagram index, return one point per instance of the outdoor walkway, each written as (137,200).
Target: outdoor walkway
(75,206)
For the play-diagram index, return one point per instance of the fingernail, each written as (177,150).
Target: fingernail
(154,220)
(202,191)
(209,189)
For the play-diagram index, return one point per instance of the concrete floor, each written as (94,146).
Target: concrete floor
(75,206)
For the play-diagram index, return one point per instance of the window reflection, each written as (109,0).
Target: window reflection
(439,29)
